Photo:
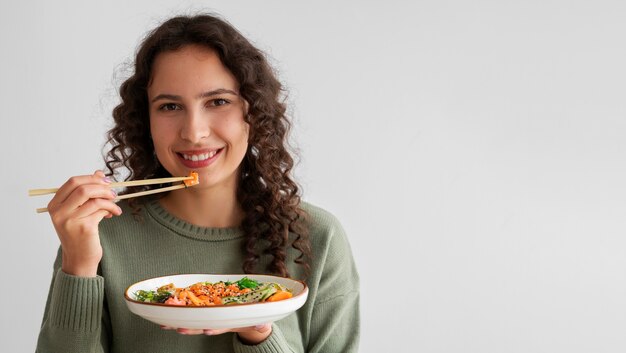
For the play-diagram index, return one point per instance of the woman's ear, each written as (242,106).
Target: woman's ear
(245,107)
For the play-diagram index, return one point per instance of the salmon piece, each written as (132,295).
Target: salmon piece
(174,301)
(192,182)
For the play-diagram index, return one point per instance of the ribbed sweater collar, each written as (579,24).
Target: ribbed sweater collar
(181,227)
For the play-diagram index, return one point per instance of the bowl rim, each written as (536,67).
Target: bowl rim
(304,291)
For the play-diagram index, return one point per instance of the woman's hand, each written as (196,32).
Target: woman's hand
(76,210)
(248,335)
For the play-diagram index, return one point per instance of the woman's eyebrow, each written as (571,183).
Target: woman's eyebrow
(216,92)
(166,96)
(201,95)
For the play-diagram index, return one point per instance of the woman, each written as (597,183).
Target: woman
(201,98)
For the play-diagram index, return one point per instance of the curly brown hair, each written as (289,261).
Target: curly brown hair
(266,192)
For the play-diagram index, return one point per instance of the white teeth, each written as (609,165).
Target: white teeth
(199,157)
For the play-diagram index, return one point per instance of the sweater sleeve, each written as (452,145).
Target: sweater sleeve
(74,315)
(335,318)
(335,324)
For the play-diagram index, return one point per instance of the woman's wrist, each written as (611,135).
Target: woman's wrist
(74,269)
(254,337)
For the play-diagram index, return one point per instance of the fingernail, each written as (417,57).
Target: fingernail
(106,180)
(209,332)
(114,193)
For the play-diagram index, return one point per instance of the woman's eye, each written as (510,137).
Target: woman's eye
(219,102)
(168,107)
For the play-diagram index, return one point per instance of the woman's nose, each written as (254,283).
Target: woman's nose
(195,127)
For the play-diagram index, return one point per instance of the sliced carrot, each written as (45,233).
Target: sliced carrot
(280,295)
(194,299)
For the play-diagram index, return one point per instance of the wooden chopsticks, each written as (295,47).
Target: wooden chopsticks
(186,182)
(37,192)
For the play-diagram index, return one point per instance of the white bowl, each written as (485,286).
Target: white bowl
(215,317)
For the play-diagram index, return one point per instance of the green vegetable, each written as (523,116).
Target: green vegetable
(247,283)
(152,296)
(251,297)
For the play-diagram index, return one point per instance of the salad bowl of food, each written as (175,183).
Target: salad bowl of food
(206,301)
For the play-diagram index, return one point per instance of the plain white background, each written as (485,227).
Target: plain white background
(473,150)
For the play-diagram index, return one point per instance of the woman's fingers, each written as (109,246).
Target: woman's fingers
(68,188)
(97,216)
(84,193)
(188,331)
(93,206)
(212,332)
(258,328)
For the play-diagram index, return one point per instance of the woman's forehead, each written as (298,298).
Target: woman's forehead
(189,70)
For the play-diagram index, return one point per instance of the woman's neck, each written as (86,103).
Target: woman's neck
(212,208)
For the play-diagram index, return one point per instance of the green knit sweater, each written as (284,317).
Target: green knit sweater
(89,314)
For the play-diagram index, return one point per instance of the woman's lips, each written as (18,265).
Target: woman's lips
(198,159)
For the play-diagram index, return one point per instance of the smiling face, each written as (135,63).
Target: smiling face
(197,116)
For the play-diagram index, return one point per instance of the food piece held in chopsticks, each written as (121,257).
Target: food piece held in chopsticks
(194,181)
